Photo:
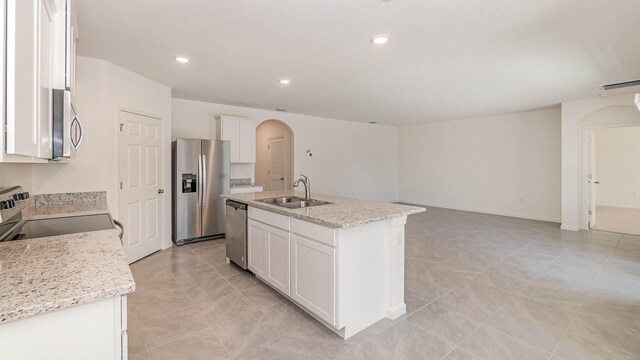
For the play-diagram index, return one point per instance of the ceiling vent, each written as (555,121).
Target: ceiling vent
(621,85)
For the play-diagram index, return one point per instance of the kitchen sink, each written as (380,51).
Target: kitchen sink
(294,202)
(282,200)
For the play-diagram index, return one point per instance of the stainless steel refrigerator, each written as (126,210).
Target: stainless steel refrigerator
(200,174)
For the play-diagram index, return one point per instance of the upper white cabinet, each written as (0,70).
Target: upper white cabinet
(33,40)
(241,133)
(64,55)
(29,34)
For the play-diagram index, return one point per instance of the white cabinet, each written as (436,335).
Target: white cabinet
(64,54)
(35,60)
(313,277)
(29,44)
(297,258)
(278,258)
(247,141)
(257,243)
(96,330)
(241,133)
(269,254)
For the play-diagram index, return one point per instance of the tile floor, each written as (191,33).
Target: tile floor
(621,220)
(477,287)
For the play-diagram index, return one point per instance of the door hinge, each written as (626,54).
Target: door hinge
(120,185)
(121,127)
(268,146)
(590,212)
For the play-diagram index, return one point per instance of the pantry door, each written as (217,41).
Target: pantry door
(141,188)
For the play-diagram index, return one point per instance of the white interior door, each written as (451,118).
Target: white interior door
(140,150)
(276,164)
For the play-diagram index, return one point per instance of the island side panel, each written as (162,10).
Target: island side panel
(363,270)
(395,281)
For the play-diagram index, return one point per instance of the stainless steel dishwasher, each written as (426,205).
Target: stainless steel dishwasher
(237,233)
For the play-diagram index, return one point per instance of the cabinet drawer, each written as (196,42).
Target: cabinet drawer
(270,218)
(316,232)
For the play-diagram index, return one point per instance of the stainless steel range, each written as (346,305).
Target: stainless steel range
(14,200)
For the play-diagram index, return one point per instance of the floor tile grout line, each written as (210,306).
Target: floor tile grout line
(501,307)
(269,340)
(198,311)
(561,338)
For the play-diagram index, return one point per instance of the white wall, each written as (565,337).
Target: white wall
(16,174)
(103,89)
(578,119)
(349,158)
(506,164)
(618,167)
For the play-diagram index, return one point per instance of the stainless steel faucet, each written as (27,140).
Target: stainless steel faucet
(307,186)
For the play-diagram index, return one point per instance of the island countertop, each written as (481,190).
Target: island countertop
(52,273)
(341,213)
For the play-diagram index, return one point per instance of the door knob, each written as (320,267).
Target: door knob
(597,182)
(281,178)
(160,191)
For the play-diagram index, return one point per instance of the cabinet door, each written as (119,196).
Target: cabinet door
(247,141)
(278,259)
(257,239)
(45,76)
(22,77)
(231,131)
(313,277)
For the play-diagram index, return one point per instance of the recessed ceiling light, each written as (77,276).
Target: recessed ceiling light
(380,39)
(285,81)
(182,59)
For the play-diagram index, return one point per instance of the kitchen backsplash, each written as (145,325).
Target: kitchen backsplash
(242,171)
(66,198)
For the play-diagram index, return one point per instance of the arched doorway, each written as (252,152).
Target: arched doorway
(274,155)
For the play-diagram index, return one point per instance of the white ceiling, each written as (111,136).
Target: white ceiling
(446,59)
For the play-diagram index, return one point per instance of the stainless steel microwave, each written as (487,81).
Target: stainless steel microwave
(67,132)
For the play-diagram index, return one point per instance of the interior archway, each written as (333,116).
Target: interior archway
(274,155)
(607,117)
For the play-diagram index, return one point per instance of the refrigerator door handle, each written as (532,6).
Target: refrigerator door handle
(200,182)
(204,180)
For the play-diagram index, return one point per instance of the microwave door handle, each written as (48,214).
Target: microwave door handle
(76,140)
(204,180)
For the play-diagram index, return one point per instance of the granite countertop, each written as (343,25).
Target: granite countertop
(342,213)
(52,273)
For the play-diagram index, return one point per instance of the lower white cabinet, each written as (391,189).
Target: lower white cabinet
(257,251)
(269,254)
(313,277)
(347,278)
(298,266)
(96,331)
(278,255)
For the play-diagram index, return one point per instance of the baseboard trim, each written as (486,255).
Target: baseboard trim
(519,216)
(619,206)
(569,227)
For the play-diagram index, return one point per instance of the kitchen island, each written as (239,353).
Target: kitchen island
(341,262)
